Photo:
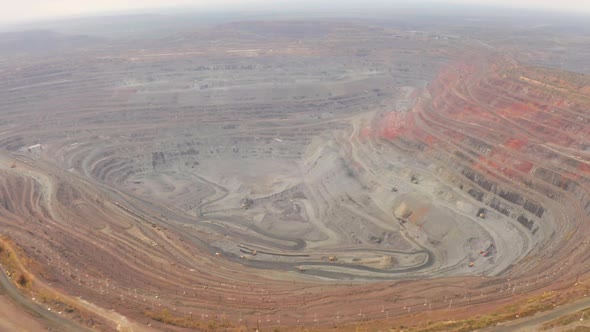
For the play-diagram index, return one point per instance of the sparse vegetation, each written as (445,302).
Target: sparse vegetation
(214,324)
(577,317)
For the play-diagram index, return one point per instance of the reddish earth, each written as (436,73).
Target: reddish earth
(131,220)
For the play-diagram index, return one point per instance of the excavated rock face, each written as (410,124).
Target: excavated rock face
(233,176)
(512,138)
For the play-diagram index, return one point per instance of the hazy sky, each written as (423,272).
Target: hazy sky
(19,10)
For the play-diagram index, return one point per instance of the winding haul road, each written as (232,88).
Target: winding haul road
(53,321)
(533,323)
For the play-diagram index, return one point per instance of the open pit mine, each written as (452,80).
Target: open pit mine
(288,176)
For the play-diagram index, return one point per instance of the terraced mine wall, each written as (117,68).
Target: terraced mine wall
(272,183)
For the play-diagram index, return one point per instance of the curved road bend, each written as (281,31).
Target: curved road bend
(53,321)
(533,322)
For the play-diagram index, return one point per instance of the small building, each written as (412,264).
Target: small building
(402,211)
(35,148)
(481,213)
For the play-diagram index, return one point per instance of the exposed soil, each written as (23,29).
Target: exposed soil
(359,175)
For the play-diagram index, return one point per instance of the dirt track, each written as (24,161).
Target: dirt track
(534,323)
(51,320)
(315,186)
